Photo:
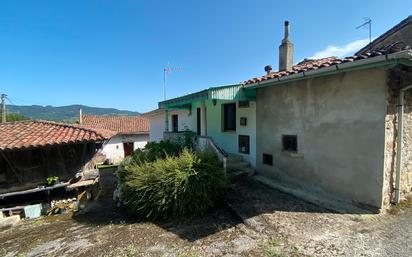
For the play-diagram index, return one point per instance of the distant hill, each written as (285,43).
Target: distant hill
(63,113)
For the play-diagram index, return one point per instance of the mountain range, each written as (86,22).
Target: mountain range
(63,113)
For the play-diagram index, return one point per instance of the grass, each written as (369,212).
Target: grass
(275,248)
(398,208)
(188,255)
(129,251)
(274,242)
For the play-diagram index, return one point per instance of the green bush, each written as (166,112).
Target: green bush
(154,151)
(11,117)
(187,184)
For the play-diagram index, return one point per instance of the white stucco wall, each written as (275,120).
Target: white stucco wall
(157,123)
(183,119)
(157,127)
(113,149)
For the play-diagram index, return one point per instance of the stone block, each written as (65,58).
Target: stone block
(7,222)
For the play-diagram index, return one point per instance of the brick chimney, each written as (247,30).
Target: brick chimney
(286,51)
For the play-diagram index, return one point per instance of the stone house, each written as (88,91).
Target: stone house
(130,133)
(329,130)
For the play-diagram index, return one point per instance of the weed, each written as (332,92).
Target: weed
(188,255)
(274,241)
(396,209)
(273,253)
(129,251)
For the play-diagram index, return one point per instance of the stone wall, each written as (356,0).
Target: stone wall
(391,146)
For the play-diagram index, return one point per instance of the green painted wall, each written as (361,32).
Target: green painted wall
(229,140)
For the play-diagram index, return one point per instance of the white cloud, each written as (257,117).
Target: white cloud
(341,51)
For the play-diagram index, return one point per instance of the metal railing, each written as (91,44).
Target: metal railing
(207,143)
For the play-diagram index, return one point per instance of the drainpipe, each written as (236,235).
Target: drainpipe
(166,120)
(399,144)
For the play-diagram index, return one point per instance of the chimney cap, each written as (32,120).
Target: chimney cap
(286,23)
(268,68)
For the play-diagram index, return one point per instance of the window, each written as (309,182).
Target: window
(175,123)
(244,104)
(229,117)
(267,159)
(243,121)
(290,143)
(244,144)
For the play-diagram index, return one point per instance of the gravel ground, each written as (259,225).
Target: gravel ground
(315,231)
(275,224)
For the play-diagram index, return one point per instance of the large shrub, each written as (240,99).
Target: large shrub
(187,184)
(154,151)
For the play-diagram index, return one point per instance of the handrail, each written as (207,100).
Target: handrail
(221,154)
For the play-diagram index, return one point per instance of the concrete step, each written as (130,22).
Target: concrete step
(234,158)
(237,165)
(242,173)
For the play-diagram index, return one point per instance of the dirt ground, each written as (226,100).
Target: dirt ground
(265,222)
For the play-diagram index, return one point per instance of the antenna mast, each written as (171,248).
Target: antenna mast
(368,22)
(167,71)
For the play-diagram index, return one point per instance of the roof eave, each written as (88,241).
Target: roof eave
(383,60)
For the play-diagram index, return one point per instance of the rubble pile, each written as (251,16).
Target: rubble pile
(62,206)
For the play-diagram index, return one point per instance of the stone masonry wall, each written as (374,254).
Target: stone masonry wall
(390,143)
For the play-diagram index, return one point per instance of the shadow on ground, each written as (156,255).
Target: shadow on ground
(247,196)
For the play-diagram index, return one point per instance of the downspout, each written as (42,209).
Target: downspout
(399,144)
(166,120)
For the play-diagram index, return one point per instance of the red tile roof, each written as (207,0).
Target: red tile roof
(119,124)
(308,64)
(31,133)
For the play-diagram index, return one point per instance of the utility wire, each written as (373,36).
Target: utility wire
(23,102)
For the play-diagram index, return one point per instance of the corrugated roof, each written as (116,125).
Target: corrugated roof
(32,133)
(228,92)
(119,124)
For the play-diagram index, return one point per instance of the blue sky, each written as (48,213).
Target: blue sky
(111,53)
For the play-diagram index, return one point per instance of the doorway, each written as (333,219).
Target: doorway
(198,120)
(128,148)
(175,123)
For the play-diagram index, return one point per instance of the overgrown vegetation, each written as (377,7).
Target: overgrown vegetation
(52,180)
(167,180)
(398,208)
(154,151)
(11,117)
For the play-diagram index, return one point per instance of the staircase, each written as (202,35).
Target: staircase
(237,167)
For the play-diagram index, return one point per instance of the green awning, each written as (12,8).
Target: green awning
(229,92)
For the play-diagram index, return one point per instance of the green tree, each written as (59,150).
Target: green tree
(10,117)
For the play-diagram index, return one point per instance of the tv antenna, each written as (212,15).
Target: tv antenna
(367,22)
(166,71)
